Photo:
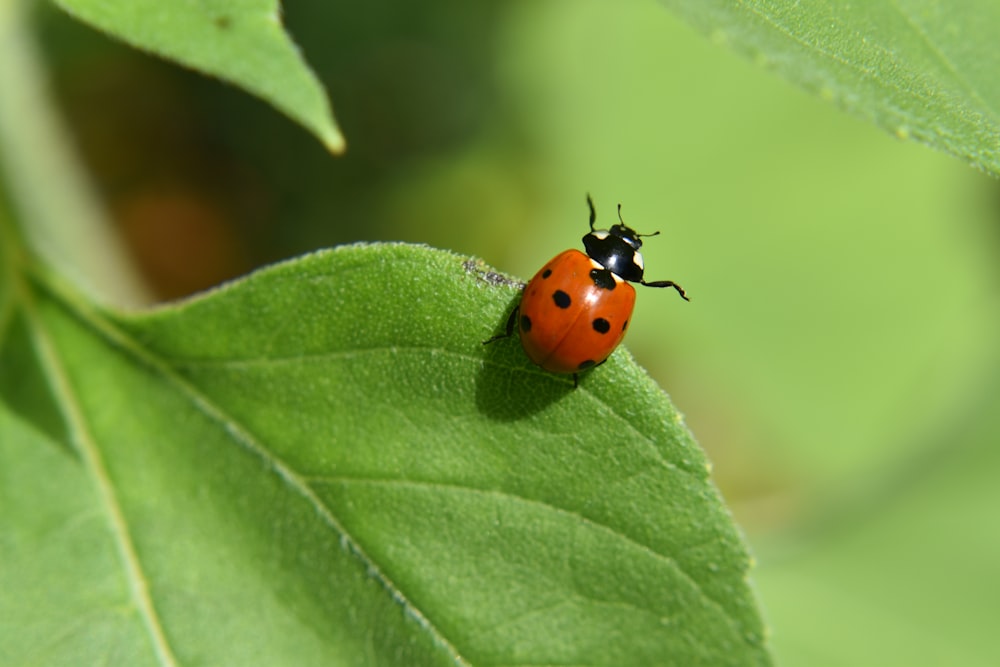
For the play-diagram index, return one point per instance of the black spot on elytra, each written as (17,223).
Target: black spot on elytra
(603,278)
(525,323)
(584,365)
(546,273)
(601,325)
(624,324)
(561,299)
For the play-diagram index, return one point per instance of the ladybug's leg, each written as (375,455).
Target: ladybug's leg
(511,321)
(667,283)
(576,376)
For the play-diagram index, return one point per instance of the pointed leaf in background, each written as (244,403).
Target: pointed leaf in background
(919,69)
(240,41)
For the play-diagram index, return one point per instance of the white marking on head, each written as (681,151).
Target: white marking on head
(637,258)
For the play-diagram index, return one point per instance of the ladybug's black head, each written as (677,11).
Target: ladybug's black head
(616,249)
(627,234)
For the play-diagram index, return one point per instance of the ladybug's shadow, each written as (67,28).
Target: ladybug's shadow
(509,387)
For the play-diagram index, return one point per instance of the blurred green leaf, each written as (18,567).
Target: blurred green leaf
(904,566)
(322,464)
(240,41)
(917,68)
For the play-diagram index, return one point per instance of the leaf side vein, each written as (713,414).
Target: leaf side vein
(89,449)
(115,336)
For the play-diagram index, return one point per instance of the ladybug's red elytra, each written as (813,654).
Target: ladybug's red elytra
(575,311)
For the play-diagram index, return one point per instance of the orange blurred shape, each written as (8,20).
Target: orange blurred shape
(183,242)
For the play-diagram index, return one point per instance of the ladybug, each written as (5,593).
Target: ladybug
(574,312)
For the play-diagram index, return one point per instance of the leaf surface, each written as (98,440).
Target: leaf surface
(322,464)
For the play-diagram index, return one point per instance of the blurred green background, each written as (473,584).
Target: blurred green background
(838,359)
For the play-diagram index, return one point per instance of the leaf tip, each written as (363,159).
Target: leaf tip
(333,140)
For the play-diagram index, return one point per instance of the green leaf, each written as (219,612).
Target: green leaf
(919,69)
(904,564)
(322,464)
(240,41)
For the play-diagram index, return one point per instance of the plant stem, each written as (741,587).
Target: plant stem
(52,200)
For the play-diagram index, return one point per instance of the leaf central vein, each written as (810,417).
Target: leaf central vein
(448,487)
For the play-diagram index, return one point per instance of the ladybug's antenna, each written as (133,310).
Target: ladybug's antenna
(593,213)
(637,234)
